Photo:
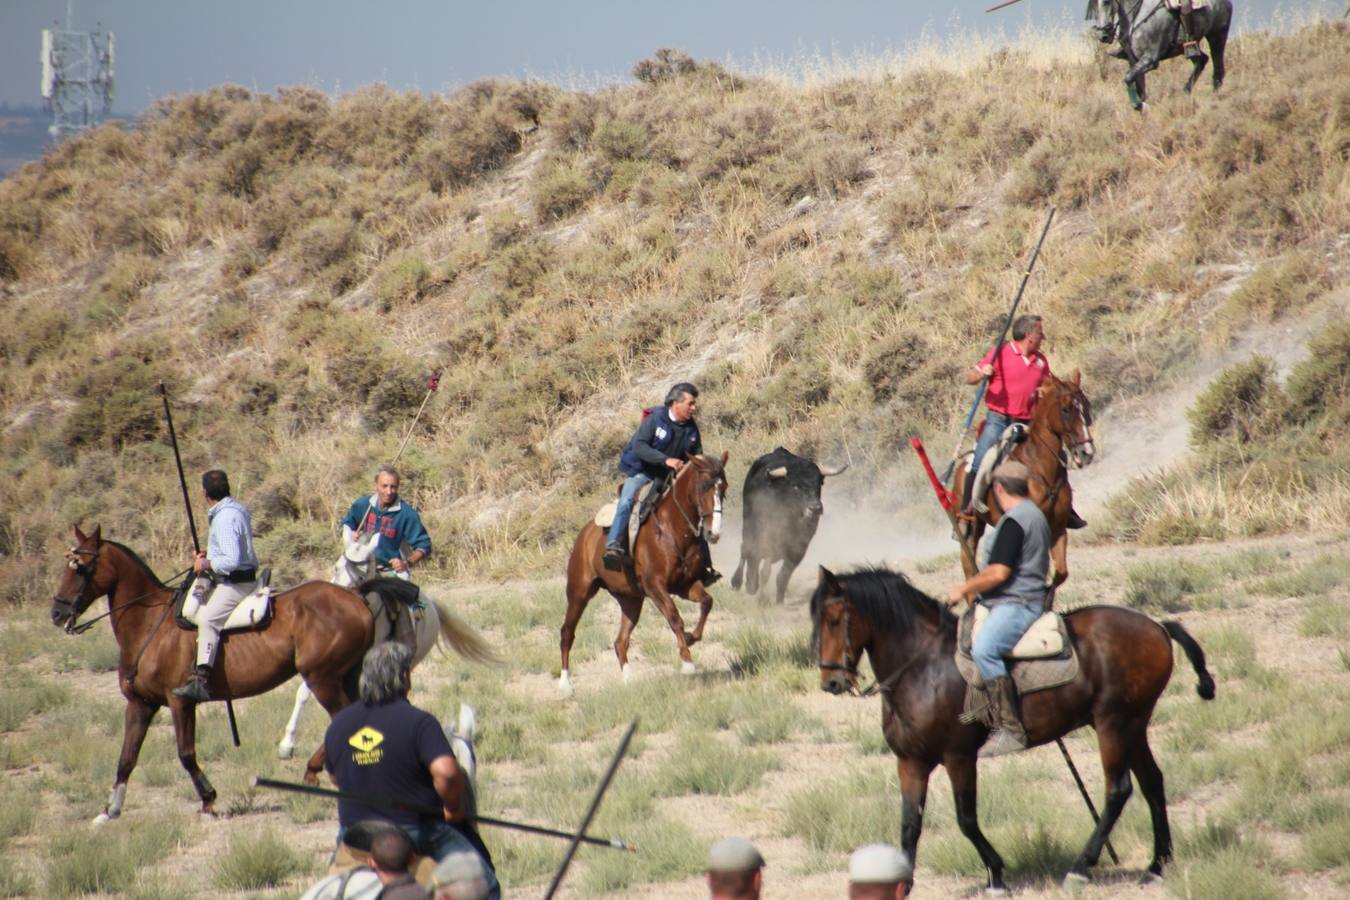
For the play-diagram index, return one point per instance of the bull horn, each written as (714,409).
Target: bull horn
(779,472)
(827,471)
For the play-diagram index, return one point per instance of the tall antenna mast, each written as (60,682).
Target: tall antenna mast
(77,76)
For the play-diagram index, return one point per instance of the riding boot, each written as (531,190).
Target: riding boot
(1190,41)
(614,557)
(1075,520)
(194,688)
(1010,736)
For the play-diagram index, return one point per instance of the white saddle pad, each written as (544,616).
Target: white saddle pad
(604,517)
(250,611)
(986,472)
(1042,639)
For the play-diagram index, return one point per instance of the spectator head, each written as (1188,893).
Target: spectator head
(459,876)
(391,854)
(878,872)
(385,673)
(1013,476)
(735,870)
(216,485)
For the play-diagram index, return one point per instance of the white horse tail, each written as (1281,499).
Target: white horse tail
(463,639)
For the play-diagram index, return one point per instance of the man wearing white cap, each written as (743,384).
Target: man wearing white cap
(735,870)
(878,872)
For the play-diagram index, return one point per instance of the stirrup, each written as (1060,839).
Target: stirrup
(1000,743)
(193,689)
(1192,50)
(614,557)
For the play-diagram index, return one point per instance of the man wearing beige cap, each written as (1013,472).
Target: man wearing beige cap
(878,872)
(1011,583)
(735,870)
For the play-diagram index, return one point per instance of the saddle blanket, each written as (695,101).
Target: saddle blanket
(1043,658)
(254,611)
(642,506)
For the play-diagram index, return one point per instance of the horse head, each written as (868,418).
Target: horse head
(838,634)
(710,490)
(1069,415)
(87,577)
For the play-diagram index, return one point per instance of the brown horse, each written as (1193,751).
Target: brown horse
(1125,661)
(667,562)
(318,629)
(1061,422)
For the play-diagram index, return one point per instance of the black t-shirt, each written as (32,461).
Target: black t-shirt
(385,752)
(1007,548)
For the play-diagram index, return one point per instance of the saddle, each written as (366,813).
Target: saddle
(1013,435)
(1175,5)
(391,598)
(647,497)
(254,611)
(1044,658)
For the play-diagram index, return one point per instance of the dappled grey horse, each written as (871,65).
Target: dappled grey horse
(1149,32)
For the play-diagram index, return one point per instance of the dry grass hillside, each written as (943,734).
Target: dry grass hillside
(823,257)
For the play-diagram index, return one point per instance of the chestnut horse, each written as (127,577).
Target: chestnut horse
(1060,423)
(667,562)
(1125,661)
(318,629)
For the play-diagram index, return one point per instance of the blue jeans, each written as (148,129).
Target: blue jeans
(1005,626)
(625,508)
(994,425)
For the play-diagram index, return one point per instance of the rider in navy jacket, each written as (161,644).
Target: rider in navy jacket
(667,437)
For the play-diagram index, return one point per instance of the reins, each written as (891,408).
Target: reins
(90,623)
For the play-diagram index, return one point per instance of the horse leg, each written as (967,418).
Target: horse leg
(1118,789)
(736,576)
(135,724)
(762,576)
(576,605)
(631,609)
(1217,42)
(1150,779)
(961,773)
(1197,66)
(287,746)
(699,594)
(1059,555)
(913,796)
(666,604)
(185,733)
(790,564)
(328,690)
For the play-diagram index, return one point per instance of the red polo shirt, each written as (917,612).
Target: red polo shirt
(1012,390)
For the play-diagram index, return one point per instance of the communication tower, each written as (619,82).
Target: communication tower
(77,77)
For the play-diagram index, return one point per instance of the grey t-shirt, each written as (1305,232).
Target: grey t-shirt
(1020,541)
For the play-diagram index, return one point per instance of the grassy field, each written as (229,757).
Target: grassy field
(823,251)
(1258,779)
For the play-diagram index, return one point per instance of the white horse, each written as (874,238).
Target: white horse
(355,566)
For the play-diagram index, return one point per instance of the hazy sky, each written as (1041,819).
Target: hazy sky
(175,46)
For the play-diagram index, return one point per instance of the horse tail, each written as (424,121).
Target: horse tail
(463,639)
(1197,657)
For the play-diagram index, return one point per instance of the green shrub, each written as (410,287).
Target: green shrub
(1236,404)
(256,860)
(620,139)
(1321,383)
(403,282)
(1165,585)
(560,190)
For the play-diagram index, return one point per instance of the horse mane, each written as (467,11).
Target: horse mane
(135,557)
(395,589)
(889,600)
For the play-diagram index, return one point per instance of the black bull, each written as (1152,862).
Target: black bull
(782,509)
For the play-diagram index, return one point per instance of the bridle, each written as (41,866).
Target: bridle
(71,607)
(705,485)
(849,665)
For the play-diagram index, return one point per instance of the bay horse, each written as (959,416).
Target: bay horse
(1061,423)
(1125,661)
(436,623)
(1149,33)
(317,629)
(666,562)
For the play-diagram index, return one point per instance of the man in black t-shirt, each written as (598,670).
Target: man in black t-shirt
(1011,583)
(384,747)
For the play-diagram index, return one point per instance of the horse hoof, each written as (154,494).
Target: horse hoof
(1075,880)
(284,751)
(1150,878)
(565,684)
(996,892)
(688,668)
(102,819)
(627,671)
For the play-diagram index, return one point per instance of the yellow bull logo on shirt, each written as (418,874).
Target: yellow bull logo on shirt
(367,745)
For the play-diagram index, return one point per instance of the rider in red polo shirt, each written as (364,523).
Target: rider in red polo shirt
(1015,371)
